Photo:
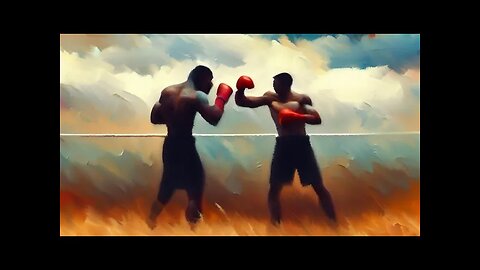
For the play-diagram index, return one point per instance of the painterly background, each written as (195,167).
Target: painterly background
(358,83)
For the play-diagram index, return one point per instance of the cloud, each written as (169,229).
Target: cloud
(398,52)
(145,54)
(297,37)
(372,99)
(84,43)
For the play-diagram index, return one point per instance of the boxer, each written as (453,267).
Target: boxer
(290,112)
(182,167)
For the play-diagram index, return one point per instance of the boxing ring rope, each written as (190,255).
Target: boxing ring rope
(238,135)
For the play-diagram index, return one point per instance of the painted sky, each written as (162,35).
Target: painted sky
(358,83)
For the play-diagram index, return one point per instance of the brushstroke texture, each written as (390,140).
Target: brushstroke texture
(358,83)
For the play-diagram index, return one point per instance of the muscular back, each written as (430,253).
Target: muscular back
(177,109)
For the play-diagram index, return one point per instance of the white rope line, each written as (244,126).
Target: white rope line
(241,135)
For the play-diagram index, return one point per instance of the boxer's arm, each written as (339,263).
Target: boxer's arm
(212,114)
(304,114)
(313,117)
(156,114)
(253,102)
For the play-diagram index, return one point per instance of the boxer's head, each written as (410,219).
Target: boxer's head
(201,77)
(282,83)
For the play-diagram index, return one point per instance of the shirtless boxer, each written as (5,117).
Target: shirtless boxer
(182,168)
(290,112)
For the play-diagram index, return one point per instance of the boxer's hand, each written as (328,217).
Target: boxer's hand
(287,116)
(223,94)
(245,82)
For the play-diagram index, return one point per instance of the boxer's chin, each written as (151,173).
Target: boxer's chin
(207,90)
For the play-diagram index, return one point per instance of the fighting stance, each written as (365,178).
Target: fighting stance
(182,167)
(290,112)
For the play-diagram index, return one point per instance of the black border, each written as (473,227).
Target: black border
(48,215)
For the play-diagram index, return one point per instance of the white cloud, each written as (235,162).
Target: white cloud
(339,94)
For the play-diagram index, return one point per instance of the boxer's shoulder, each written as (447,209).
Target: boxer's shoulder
(301,98)
(201,97)
(270,93)
(170,90)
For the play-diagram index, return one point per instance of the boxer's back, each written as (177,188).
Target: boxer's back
(179,109)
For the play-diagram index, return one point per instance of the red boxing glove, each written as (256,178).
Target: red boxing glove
(245,82)
(287,116)
(223,94)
